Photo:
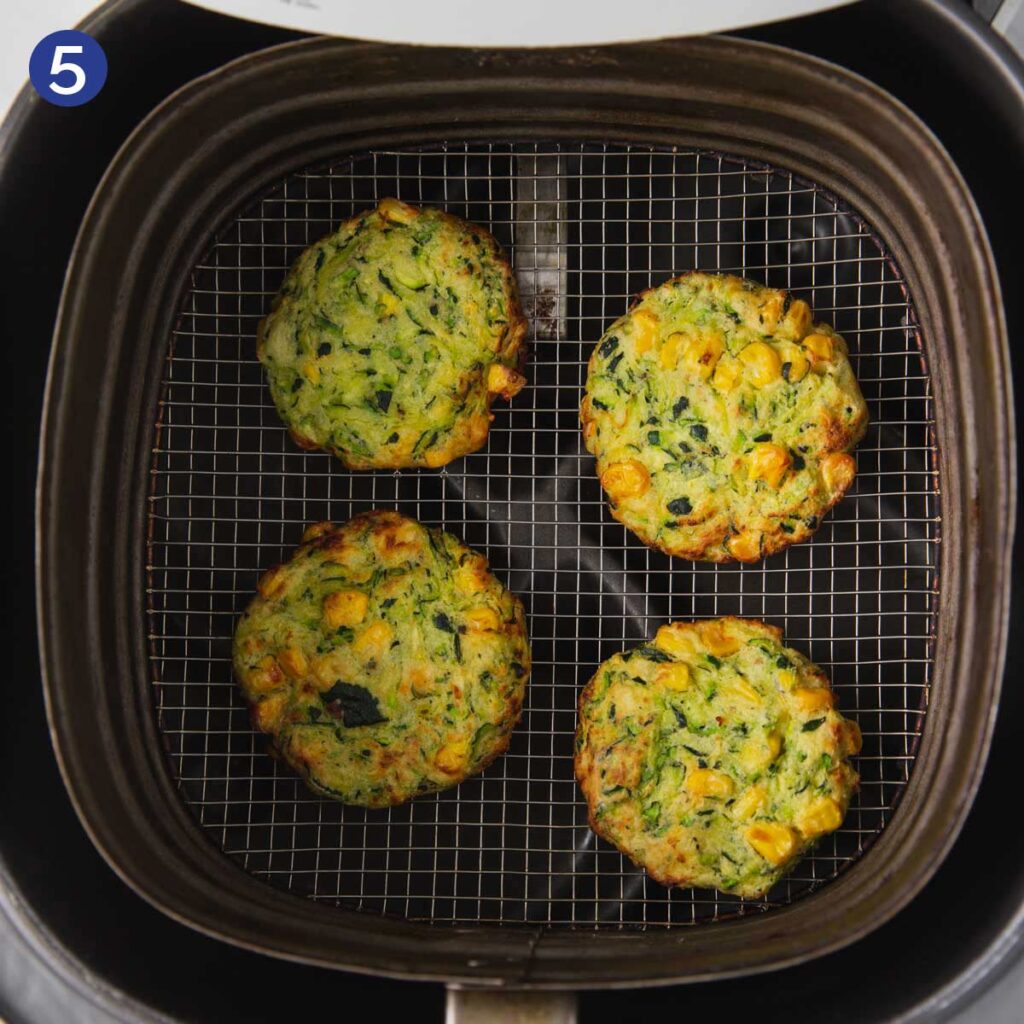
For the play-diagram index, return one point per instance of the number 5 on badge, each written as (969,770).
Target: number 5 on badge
(68,68)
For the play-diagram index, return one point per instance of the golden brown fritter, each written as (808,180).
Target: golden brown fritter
(722,418)
(390,338)
(383,659)
(713,756)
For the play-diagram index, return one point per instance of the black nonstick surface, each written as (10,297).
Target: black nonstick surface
(46,857)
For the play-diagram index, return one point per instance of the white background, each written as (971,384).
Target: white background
(25,23)
(537,22)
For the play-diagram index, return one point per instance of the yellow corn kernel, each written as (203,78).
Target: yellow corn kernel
(675,639)
(645,331)
(727,373)
(419,680)
(373,640)
(268,711)
(820,816)
(471,577)
(812,699)
(759,752)
(770,311)
(396,211)
(482,619)
(398,542)
(325,672)
(673,677)
(820,347)
(672,350)
(701,353)
(739,689)
(501,380)
(266,676)
(772,841)
(762,362)
(701,782)
(749,803)
(293,661)
(345,608)
(388,303)
(312,373)
(786,678)
(798,317)
(624,480)
(745,546)
(718,637)
(768,462)
(452,757)
(853,739)
(272,582)
(795,363)
(838,470)
(315,530)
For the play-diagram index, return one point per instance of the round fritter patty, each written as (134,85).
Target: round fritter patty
(713,757)
(389,339)
(383,659)
(722,419)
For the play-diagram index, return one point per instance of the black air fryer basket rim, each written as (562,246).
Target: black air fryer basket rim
(294,105)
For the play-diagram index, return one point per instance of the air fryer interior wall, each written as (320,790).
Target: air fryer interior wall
(871,153)
(45,853)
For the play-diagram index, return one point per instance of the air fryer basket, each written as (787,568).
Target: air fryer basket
(588,226)
(601,179)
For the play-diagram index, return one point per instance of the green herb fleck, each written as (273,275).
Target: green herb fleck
(650,653)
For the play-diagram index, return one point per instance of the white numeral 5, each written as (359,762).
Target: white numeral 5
(59,65)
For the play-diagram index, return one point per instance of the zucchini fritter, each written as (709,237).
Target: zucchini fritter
(713,756)
(389,339)
(722,419)
(384,660)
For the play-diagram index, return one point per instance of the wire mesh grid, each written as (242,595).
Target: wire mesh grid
(587,227)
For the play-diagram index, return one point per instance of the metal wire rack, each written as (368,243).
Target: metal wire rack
(587,226)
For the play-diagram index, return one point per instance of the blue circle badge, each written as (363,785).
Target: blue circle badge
(67,68)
